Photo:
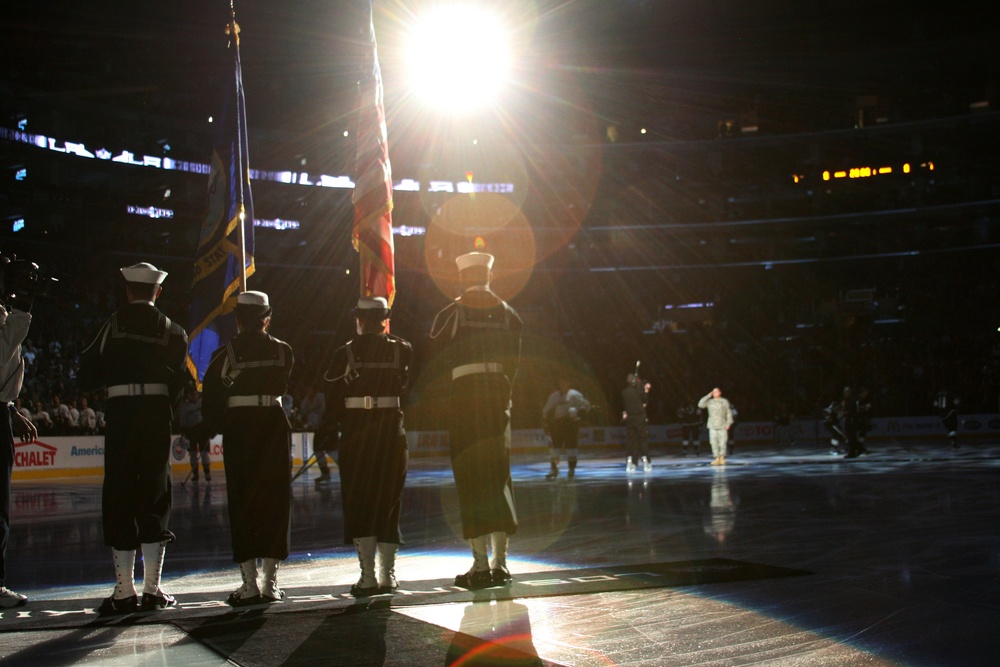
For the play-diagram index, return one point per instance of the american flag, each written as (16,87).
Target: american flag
(226,246)
(373,183)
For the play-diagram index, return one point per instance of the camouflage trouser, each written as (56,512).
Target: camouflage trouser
(718,437)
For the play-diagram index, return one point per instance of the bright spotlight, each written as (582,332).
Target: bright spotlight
(458,57)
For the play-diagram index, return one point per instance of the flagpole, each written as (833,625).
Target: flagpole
(234,31)
(225,255)
(243,254)
(372,197)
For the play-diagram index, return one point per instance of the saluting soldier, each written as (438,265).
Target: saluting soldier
(242,400)
(720,420)
(482,334)
(364,388)
(139,354)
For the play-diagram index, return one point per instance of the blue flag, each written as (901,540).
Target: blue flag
(225,246)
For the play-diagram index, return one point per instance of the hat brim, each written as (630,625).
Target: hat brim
(384,312)
(254,309)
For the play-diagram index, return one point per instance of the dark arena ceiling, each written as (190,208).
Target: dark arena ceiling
(660,117)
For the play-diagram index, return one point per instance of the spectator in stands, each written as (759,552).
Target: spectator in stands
(60,415)
(88,418)
(25,412)
(74,418)
(40,418)
(29,354)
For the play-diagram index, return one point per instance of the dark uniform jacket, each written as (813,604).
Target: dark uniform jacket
(140,351)
(634,403)
(480,335)
(253,369)
(373,457)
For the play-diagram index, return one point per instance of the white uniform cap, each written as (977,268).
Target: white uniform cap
(373,303)
(469,260)
(143,272)
(253,298)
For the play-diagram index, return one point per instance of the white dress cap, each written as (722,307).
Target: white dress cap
(373,303)
(253,298)
(469,260)
(143,272)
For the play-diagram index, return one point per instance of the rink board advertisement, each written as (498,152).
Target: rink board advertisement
(75,456)
(84,455)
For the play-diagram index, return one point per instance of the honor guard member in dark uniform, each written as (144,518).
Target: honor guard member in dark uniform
(242,400)
(17,293)
(482,334)
(635,398)
(139,354)
(364,386)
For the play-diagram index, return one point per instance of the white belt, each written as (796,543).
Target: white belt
(370,402)
(155,389)
(257,401)
(473,369)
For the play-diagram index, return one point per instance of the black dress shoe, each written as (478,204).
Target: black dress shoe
(364,592)
(501,576)
(114,607)
(275,594)
(152,601)
(236,600)
(475,580)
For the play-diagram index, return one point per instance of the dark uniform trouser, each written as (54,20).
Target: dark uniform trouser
(637,439)
(373,465)
(479,444)
(564,437)
(6,467)
(258,482)
(136,497)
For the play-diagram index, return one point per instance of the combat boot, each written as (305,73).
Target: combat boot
(387,567)
(249,592)
(269,590)
(367,584)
